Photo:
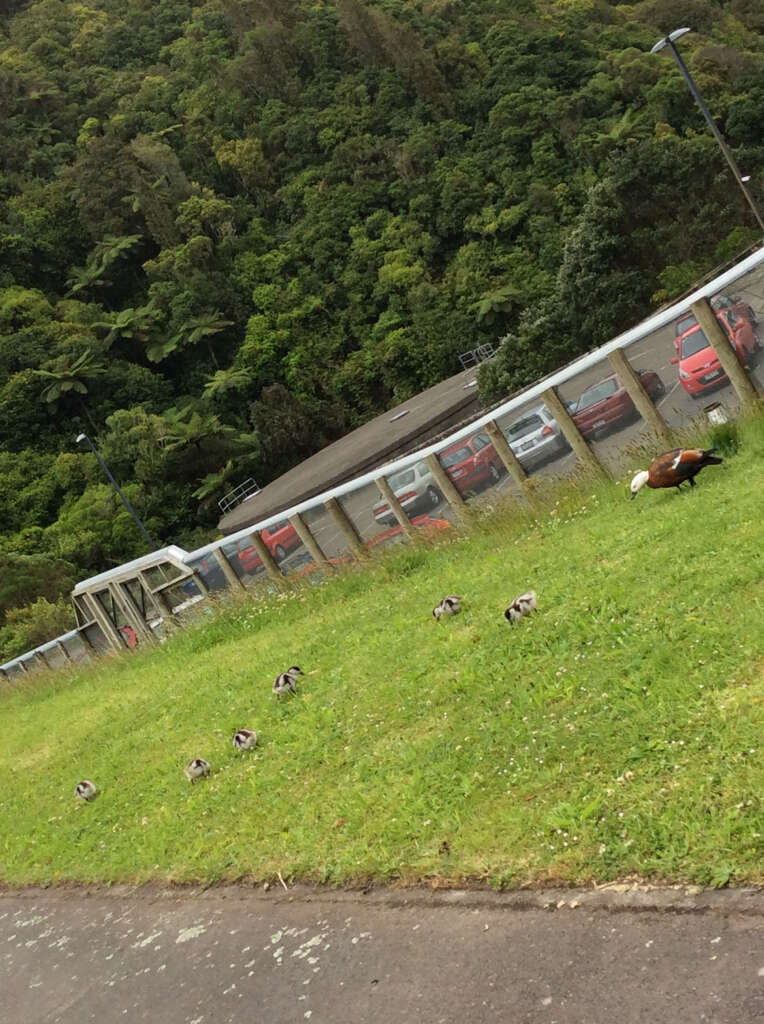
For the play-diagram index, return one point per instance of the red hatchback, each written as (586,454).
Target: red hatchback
(280,539)
(472,463)
(608,403)
(699,368)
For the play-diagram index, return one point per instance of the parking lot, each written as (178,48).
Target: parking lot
(677,407)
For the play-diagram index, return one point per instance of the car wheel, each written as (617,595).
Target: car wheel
(433,497)
(660,389)
(278,553)
(495,474)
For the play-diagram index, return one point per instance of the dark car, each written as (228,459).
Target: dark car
(472,463)
(607,403)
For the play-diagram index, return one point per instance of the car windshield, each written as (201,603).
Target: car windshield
(693,343)
(685,324)
(402,479)
(452,458)
(596,394)
(525,426)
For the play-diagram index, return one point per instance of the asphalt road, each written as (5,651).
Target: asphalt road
(398,957)
(678,408)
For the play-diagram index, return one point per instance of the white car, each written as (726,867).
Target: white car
(536,436)
(415,489)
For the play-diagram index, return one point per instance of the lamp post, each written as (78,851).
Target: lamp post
(669,41)
(115,485)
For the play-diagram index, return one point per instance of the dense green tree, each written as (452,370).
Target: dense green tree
(234,230)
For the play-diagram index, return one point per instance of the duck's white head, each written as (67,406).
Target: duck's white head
(639,481)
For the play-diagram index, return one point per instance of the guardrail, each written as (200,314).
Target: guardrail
(444,478)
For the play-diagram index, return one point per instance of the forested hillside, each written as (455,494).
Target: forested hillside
(231,231)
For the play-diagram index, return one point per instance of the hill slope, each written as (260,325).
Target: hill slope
(618,730)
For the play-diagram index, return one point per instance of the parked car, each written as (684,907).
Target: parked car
(536,436)
(472,463)
(699,367)
(607,403)
(280,538)
(719,303)
(425,522)
(415,489)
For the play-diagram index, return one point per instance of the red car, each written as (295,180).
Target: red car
(280,539)
(699,368)
(719,303)
(608,403)
(426,522)
(472,463)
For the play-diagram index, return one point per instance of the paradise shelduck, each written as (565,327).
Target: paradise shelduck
(196,768)
(521,605)
(245,739)
(286,682)
(672,468)
(86,789)
(450,605)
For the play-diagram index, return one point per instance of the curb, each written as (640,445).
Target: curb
(609,898)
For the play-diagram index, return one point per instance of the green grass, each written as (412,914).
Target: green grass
(618,731)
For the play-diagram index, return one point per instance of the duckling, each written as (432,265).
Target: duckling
(245,739)
(86,789)
(286,682)
(196,768)
(522,605)
(450,605)
(672,468)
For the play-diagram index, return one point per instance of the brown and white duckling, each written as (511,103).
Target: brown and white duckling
(286,682)
(196,768)
(672,468)
(245,739)
(522,605)
(86,789)
(450,605)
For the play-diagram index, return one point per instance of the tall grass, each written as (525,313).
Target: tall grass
(616,731)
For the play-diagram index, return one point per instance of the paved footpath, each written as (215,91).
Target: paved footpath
(241,954)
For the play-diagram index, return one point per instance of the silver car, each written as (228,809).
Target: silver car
(535,437)
(415,489)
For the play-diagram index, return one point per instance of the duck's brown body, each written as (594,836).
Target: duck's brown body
(674,468)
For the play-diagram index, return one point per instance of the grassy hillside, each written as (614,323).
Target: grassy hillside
(617,730)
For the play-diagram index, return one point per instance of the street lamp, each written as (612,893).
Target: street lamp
(669,41)
(115,485)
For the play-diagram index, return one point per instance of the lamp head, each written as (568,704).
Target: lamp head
(81,437)
(670,38)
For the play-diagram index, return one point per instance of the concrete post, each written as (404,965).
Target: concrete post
(448,489)
(505,453)
(636,391)
(575,438)
(229,572)
(395,507)
(267,559)
(723,348)
(346,528)
(311,544)
(41,659)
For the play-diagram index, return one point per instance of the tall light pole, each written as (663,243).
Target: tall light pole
(669,41)
(115,485)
